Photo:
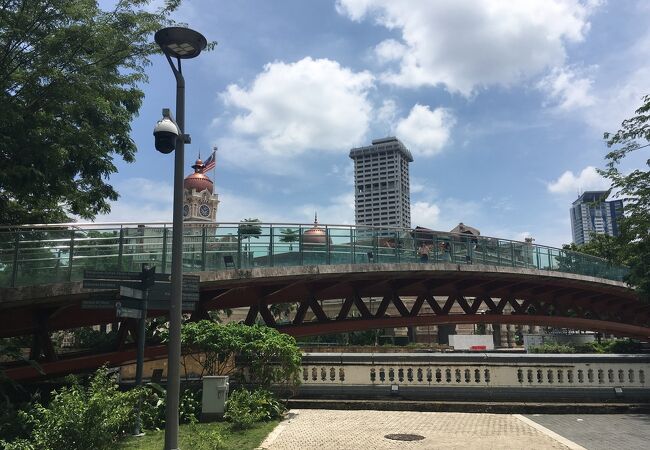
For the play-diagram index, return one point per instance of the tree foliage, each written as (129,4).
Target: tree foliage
(70,76)
(632,247)
(289,236)
(267,355)
(80,417)
(245,408)
(249,228)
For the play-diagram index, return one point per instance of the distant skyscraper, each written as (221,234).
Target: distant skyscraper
(590,213)
(381,183)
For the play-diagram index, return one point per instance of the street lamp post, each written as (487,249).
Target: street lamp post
(180,43)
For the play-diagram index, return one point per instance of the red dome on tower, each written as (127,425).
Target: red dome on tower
(198,180)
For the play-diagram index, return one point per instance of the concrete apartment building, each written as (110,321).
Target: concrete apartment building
(591,213)
(381,183)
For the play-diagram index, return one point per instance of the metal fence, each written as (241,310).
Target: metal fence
(40,254)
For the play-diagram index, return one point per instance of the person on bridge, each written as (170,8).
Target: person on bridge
(445,249)
(423,251)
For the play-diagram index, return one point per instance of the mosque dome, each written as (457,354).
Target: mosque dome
(198,180)
(315,235)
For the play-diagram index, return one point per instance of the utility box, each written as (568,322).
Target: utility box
(215,394)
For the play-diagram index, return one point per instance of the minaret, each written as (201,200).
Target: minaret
(200,202)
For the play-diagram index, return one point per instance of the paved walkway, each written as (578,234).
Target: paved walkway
(343,430)
(600,431)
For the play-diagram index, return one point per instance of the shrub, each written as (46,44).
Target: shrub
(607,346)
(80,417)
(552,347)
(153,407)
(244,407)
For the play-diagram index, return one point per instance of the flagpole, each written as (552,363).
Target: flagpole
(214,169)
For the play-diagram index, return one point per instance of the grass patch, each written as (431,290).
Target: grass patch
(245,439)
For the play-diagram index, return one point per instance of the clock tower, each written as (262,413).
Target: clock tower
(200,202)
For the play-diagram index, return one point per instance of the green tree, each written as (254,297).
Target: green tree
(249,228)
(289,236)
(268,355)
(70,76)
(634,188)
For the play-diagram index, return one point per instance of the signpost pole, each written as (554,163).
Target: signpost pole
(147,279)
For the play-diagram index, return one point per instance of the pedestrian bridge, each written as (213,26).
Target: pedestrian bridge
(446,278)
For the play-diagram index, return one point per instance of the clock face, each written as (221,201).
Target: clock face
(204,210)
(186,210)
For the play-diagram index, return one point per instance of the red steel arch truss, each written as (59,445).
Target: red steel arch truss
(423,299)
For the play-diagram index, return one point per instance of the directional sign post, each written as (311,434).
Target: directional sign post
(136,293)
(130,313)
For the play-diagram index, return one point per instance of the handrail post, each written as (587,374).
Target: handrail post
(300,250)
(14,272)
(375,245)
(512,254)
(164,249)
(120,249)
(328,256)
(353,246)
(498,252)
(239,265)
(71,255)
(203,249)
(397,246)
(271,246)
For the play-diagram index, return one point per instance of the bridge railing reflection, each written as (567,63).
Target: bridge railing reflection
(40,254)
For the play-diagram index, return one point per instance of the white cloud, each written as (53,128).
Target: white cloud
(567,89)
(386,112)
(129,210)
(465,45)
(522,236)
(588,179)
(290,108)
(141,200)
(426,132)
(390,50)
(146,189)
(339,211)
(618,101)
(425,214)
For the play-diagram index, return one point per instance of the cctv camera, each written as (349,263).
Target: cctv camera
(165,133)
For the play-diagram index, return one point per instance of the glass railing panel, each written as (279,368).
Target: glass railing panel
(43,257)
(94,250)
(460,250)
(543,258)
(341,245)
(7,256)
(286,245)
(51,255)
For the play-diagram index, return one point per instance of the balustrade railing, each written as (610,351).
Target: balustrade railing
(41,254)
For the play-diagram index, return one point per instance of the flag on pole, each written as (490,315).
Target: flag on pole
(210,163)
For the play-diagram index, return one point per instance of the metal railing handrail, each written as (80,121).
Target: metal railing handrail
(92,226)
(72,244)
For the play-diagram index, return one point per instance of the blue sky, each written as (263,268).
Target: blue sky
(502,103)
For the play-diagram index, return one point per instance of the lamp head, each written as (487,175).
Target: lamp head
(179,42)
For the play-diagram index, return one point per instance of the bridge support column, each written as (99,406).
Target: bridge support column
(42,343)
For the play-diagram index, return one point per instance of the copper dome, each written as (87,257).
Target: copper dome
(315,235)
(198,180)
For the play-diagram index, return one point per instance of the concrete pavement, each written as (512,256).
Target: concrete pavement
(343,430)
(600,431)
